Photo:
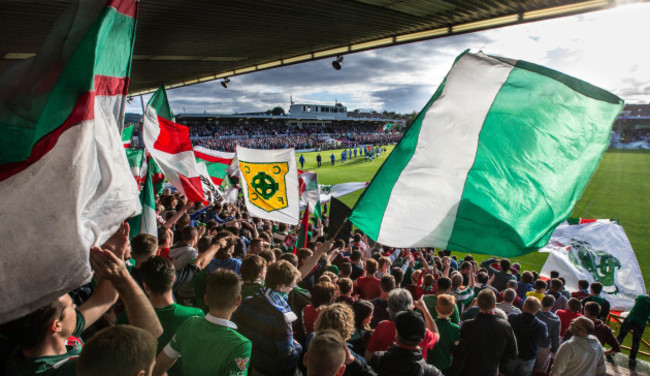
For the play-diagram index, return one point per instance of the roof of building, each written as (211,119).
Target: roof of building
(180,42)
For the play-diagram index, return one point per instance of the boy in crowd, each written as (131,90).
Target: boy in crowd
(211,345)
(573,310)
(531,334)
(553,325)
(440,355)
(583,290)
(601,330)
(539,291)
(327,354)
(596,289)
(266,320)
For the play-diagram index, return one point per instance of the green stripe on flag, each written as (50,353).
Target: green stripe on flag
(20,133)
(160,103)
(369,210)
(215,170)
(514,200)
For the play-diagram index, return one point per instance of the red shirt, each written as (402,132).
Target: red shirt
(164,252)
(566,317)
(309,316)
(579,294)
(368,287)
(384,336)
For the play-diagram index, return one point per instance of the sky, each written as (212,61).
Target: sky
(609,49)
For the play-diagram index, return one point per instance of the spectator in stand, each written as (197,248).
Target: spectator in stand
(184,252)
(224,257)
(266,320)
(428,284)
(540,290)
(501,275)
(382,338)
(583,290)
(346,270)
(525,285)
(386,285)
(444,287)
(165,241)
(601,330)
(441,354)
(47,338)
(463,294)
(636,322)
(510,285)
(357,264)
(253,272)
(404,357)
(118,351)
(143,247)
(596,289)
(484,342)
(368,285)
(555,289)
(582,354)
(210,345)
(327,354)
(573,310)
(345,291)
(531,334)
(398,274)
(363,313)
(553,326)
(322,294)
(506,305)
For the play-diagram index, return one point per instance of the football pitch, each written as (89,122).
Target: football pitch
(619,189)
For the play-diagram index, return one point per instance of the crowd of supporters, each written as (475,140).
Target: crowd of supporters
(278,135)
(220,293)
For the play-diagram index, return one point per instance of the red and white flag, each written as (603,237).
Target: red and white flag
(170,146)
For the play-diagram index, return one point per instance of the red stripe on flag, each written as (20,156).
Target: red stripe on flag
(585,220)
(126,7)
(82,111)
(193,188)
(107,85)
(173,138)
(211,158)
(216,181)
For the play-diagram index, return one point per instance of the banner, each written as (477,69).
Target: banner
(338,190)
(597,251)
(269,179)
(211,192)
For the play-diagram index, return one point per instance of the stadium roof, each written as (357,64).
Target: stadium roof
(181,42)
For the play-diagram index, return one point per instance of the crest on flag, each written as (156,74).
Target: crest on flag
(266,184)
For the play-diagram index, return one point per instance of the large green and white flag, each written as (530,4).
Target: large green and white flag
(64,176)
(127,136)
(138,164)
(597,251)
(495,161)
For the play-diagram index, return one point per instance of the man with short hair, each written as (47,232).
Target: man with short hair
(501,275)
(441,354)
(601,330)
(596,288)
(266,320)
(184,252)
(253,272)
(44,336)
(567,315)
(506,305)
(553,326)
(211,345)
(583,290)
(635,321)
(380,313)
(444,287)
(158,276)
(143,246)
(404,357)
(582,354)
(368,285)
(120,350)
(555,289)
(531,334)
(484,342)
(357,264)
(327,354)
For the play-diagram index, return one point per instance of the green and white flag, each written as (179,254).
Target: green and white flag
(138,164)
(146,222)
(495,161)
(597,251)
(64,176)
(310,193)
(217,162)
(127,136)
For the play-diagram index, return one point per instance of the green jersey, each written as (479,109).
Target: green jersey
(640,313)
(170,317)
(210,346)
(440,355)
(54,365)
(431,300)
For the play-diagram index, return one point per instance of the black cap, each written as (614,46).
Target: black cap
(410,326)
